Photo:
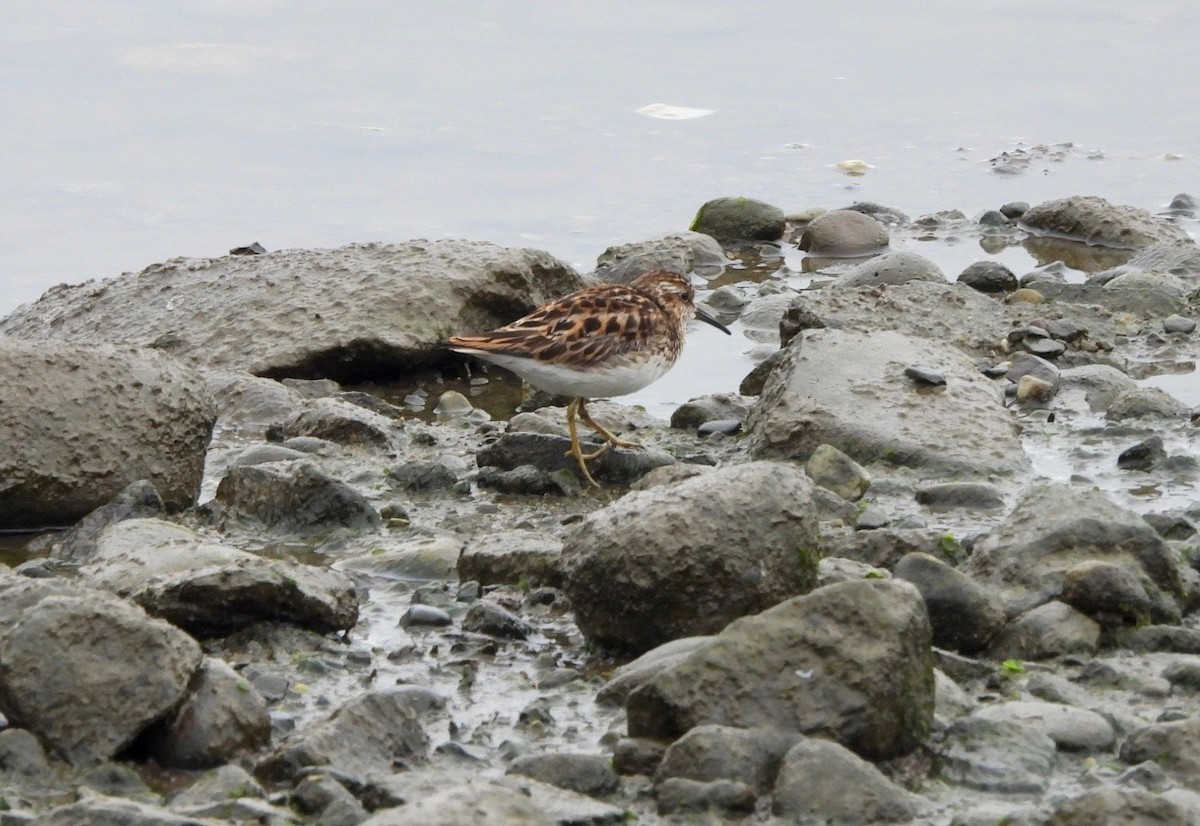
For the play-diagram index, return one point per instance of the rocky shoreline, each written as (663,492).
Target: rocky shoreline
(935,560)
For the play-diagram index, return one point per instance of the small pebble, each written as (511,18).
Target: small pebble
(1178,324)
(1047,348)
(453,403)
(1032,390)
(1142,456)
(424,615)
(1025,295)
(925,375)
(725,426)
(872,518)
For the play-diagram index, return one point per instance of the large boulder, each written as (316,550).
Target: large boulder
(849,389)
(79,423)
(851,662)
(687,558)
(738,220)
(84,670)
(843,233)
(210,589)
(292,497)
(343,313)
(1055,529)
(368,734)
(1094,220)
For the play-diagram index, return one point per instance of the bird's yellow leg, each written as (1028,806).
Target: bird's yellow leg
(609,438)
(575,450)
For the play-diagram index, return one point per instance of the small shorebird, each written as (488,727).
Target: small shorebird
(598,342)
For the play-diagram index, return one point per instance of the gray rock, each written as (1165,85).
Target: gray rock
(81,422)
(1100,384)
(85,670)
(988,277)
(837,569)
(685,559)
(1163,638)
(1108,805)
(250,402)
(369,733)
(954,495)
(211,589)
(336,313)
(340,422)
(1147,403)
(216,788)
(1071,729)
(844,388)
(1183,674)
(681,251)
(735,220)
(293,497)
(261,454)
(1175,746)
(138,500)
(99,810)
(468,803)
(890,269)
(23,762)
(1002,757)
(424,615)
(638,755)
(682,797)
(548,453)
(1031,390)
(926,376)
(1110,594)
(835,471)
(750,756)
(884,547)
(1181,257)
(752,384)
(1150,293)
(222,717)
(1050,630)
(1179,324)
(1142,456)
(692,414)
(329,801)
(1030,364)
(491,619)
(627,677)
(1096,221)
(1056,527)
(843,233)
(423,558)
(511,557)
(964,617)
(422,476)
(795,666)
(821,781)
(589,774)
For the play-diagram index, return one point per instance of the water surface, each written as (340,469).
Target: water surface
(138,132)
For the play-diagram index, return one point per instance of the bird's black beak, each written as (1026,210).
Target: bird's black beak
(708,319)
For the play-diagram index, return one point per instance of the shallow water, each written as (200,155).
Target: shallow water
(140,133)
(137,133)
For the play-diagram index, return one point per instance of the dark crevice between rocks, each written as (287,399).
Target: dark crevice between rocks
(359,362)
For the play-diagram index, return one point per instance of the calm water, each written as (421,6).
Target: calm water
(138,132)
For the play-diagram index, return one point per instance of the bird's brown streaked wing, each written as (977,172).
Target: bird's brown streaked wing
(587,327)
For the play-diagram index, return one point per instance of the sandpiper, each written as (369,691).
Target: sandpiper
(597,342)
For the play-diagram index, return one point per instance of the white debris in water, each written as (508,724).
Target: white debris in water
(668,112)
